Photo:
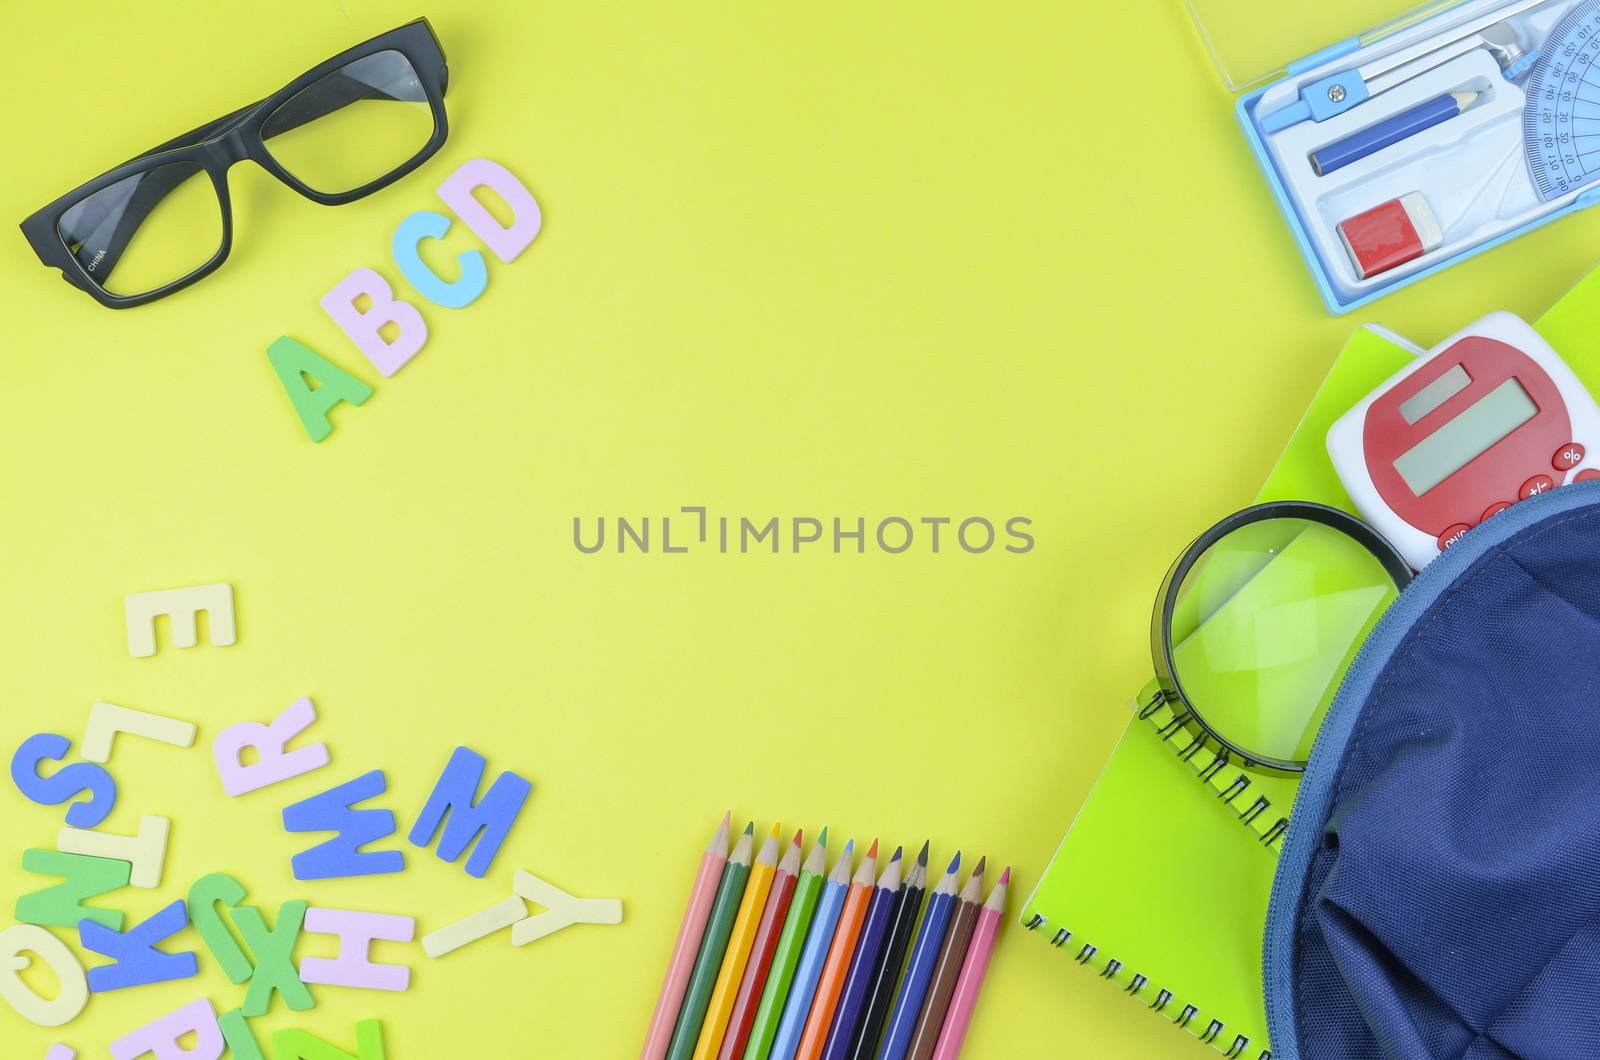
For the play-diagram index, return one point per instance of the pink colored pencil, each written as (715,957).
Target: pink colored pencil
(690,932)
(965,1000)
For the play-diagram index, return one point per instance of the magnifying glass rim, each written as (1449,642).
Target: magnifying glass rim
(1166,604)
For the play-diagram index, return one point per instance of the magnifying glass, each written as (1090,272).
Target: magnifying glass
(1257,621)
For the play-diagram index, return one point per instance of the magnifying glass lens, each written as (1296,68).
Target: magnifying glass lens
(1264,625)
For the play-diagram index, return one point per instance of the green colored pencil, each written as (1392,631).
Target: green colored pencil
(787,956)
(697,998)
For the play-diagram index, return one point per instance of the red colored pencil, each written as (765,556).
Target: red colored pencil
(754,982)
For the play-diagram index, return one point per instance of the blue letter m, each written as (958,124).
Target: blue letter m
(490,819)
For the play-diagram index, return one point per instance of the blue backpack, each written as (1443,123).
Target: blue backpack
(1438,896)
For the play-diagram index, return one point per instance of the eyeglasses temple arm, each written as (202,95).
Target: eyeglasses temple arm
(101,258)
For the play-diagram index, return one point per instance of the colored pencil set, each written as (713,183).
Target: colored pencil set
(779,959)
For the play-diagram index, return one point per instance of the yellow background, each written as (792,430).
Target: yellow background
(837,259)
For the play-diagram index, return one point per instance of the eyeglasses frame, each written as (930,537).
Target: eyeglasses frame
(221,144)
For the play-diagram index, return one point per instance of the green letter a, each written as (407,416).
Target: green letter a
(298,367)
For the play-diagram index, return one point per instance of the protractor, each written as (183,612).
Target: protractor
(1561,119)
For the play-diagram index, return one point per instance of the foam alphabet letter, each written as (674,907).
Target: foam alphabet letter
(203,896)
(295,1044)
(108,719)
(333,811)
(561,910)
(274,764)
(66,782)
(82,877)
(182,606)
(274,958)
(73,990)
(507,243)
(471,928)
(298,367)
(61,1052)
(464,820)
(463,291)
(146,852)
(240,1038)
(136,961)
(356,932)
(365,328)
(162,1036)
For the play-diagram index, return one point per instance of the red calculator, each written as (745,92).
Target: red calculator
(1487,418)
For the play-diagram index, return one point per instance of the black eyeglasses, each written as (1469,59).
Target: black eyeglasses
(340,131)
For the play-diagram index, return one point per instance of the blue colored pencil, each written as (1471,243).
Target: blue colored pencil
(919,973)
(902,929)
(853,1000)
(818,939)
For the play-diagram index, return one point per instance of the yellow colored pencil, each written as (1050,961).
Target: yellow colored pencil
(743,937)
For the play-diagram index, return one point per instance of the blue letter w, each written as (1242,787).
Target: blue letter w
(333,811)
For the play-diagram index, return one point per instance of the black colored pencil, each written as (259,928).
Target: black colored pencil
(902,925)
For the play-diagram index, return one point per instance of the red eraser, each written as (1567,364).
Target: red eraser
(1390,235)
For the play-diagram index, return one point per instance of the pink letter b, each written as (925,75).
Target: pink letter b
(365,328)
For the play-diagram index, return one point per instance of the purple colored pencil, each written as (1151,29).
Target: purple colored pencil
(858,981)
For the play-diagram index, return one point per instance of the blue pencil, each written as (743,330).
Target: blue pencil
(863,965)
(818,939)
(1389,131)
(919,973)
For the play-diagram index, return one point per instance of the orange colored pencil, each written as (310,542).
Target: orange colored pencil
(837,966)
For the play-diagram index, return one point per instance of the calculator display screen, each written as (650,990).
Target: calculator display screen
(1468,436)
(1436,393)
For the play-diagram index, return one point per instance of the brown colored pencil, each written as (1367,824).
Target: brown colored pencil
(948,968)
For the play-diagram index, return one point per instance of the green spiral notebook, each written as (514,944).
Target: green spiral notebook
(1160,886)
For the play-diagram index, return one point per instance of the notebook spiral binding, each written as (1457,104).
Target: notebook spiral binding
(1211,767)
(1212,1033)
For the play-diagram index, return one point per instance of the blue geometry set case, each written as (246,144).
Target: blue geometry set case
(1432,137)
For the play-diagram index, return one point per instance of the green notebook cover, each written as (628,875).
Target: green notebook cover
(1173,914)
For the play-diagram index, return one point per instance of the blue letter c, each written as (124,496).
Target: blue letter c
(425,224)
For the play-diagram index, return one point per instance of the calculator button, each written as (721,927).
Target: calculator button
(1567,457)
(1588,474)
(1536,485)
(1452,535)
(1495,509)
